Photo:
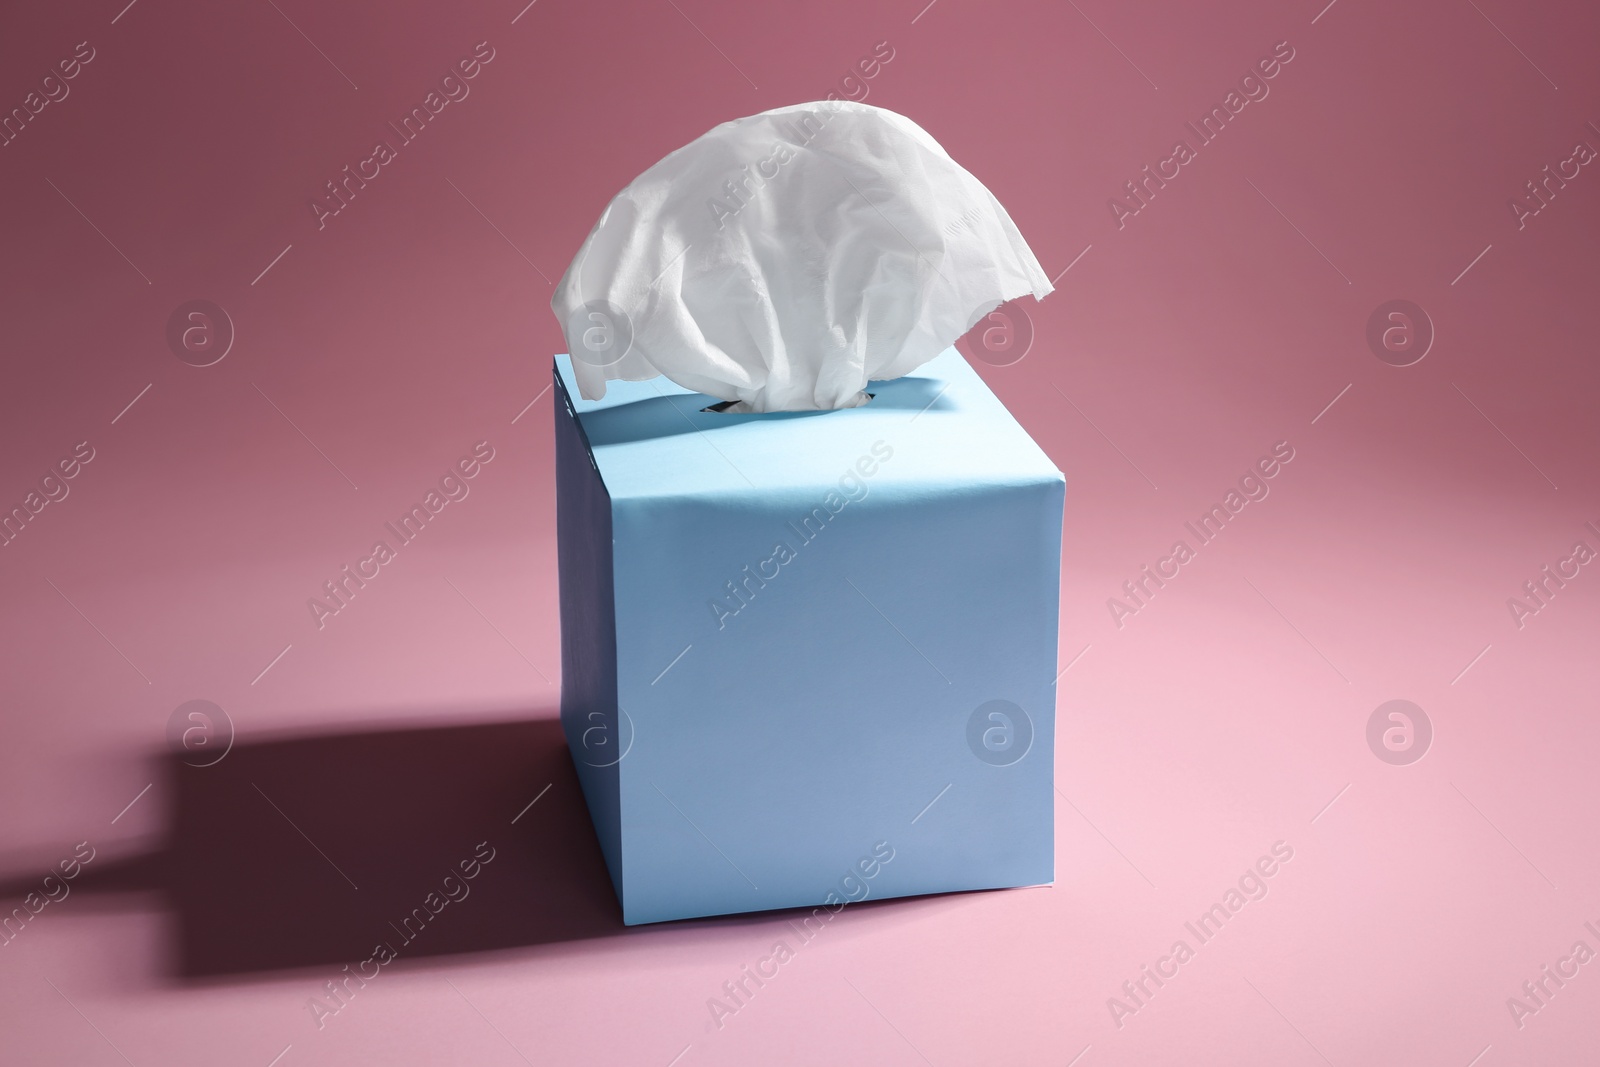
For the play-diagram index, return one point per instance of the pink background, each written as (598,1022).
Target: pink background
(370,354)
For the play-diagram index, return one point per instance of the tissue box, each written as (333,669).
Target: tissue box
(808,658)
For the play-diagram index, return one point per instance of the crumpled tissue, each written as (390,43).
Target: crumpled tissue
(781,261)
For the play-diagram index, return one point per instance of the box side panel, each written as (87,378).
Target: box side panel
(597,733)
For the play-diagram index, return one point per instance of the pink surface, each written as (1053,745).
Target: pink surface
(1185,340)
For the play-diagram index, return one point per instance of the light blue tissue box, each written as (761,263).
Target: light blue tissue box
(808,658)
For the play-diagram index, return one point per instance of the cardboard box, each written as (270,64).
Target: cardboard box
(808,657)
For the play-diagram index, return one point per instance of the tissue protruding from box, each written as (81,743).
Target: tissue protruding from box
(781,261)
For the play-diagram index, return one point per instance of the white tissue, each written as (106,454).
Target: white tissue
(783,260)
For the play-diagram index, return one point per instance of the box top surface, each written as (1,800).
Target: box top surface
(941,423)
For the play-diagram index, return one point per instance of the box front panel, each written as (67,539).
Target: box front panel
(817,679)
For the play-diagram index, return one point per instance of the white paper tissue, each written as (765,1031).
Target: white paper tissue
(783,260)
